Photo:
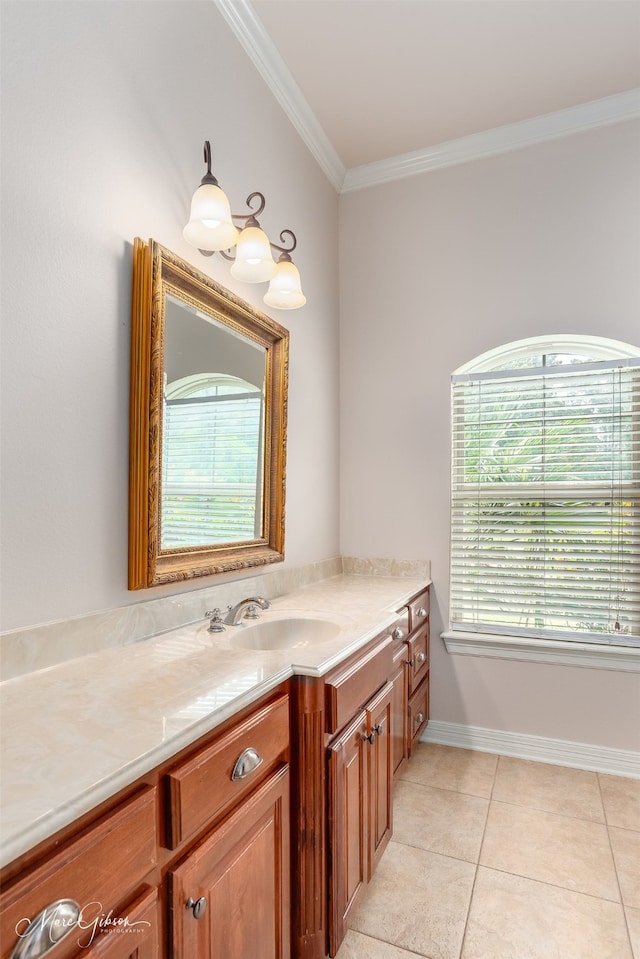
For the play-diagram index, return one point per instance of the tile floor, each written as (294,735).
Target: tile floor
(499,858)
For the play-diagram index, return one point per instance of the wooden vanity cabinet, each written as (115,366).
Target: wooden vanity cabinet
(417,668)
(266,864)
(104,869)
(400,697)
(360,777)
(194,856)
(410,678)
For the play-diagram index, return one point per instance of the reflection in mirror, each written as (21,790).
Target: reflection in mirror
(207,426)
(212,436)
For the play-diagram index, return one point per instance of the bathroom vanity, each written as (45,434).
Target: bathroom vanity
(249,821)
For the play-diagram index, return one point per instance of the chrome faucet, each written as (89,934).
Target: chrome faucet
(246,607)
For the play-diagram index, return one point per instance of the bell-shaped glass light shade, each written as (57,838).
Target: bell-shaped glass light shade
(254,262)
(210,226)
(284,290)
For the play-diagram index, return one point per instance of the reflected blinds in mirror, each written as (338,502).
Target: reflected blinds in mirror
(211,475)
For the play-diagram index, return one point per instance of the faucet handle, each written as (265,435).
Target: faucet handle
(216,625)
(252,612)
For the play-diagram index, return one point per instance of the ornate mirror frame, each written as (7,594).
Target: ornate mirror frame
(156,273)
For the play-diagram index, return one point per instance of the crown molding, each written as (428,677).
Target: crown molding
(261,50)
(504,139)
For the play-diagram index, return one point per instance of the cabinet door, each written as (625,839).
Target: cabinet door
(230,897)
(399,708)
(348,846)
(418,713)
(380,775)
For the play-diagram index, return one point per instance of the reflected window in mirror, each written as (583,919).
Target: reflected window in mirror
(212,461)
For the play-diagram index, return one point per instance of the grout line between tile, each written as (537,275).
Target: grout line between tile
(448,789)
(550,812)
(475,875)
(615,867)
(411,952)
(434,852)
(554,885)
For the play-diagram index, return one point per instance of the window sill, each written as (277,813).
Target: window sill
(621,658)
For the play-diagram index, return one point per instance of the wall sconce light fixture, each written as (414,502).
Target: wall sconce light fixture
(211,230)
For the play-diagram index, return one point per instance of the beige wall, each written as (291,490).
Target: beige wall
(436,269)
(105,110)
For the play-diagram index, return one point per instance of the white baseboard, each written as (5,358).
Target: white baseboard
(559,752)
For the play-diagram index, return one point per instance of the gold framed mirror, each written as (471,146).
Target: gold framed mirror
(208,422)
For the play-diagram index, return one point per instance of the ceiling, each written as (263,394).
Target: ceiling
(379,79)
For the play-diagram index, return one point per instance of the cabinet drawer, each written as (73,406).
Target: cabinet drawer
(98,870)
(418,610)
(348,689)
(418,657)
(400,629)
(418,712)
(203,786)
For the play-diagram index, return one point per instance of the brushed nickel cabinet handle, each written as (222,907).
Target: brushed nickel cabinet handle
(421,657)
(397,633)
(421,612)
(419,718)
(197,906)
(50,926)
(246,763)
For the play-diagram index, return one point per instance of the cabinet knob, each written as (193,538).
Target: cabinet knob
(49,927)
(419,718)
(246,763)
(375,731)
(197,906)
(397,633)
(422,656)
(409,662)
(422,612)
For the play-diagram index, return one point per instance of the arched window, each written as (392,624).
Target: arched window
(545,528)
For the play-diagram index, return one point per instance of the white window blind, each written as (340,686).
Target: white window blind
(545,537)
(211,476)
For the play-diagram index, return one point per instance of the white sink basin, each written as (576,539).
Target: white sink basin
(286,629)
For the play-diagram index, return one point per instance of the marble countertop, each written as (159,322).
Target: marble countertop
(76,733)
